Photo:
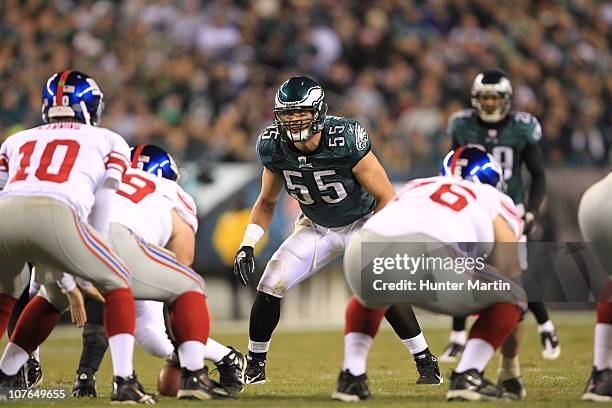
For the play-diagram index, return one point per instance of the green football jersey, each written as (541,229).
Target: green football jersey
(322,181)
(506,141)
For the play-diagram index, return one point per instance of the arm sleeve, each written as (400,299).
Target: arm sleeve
(117,160)
(103,206)
(534,161)
(508,211)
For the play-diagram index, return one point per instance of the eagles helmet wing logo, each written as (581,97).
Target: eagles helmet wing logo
(361,138)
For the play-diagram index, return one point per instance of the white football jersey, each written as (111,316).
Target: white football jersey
(448,209)
(66,161)
(144,205)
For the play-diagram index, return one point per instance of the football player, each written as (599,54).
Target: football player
(512,138)
(326,164)
(441,213)
(56,178)
(152,205)
(596,226)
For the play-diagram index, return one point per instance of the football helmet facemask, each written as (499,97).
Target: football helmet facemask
(72,94)
(295,98)
(495,85)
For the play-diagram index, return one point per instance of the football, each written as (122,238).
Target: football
(169,380)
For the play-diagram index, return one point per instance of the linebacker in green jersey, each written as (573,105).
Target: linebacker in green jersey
(512,138)
(325,163)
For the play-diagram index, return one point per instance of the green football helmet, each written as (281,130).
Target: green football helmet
(492,83)
(299,108)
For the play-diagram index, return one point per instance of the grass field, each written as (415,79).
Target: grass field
(303,367)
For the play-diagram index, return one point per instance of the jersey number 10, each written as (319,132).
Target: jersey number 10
(71,150)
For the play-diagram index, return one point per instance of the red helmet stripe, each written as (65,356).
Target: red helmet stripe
(453,162)
(134,163)
(60,87)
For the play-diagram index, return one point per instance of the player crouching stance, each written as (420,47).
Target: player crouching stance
(429,217)
(56,177)
(596,226)
(153,229)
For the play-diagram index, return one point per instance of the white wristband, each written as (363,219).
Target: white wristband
(252,234)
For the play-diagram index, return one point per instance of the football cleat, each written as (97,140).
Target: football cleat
(351,388)
(550,345)
(255,371)
(599,386)
(129,391)
(471,386)
(197,385)
(451,353)
(232,368)
(32,372)
(11,382)
(427,367)
(85,386)
(513,387)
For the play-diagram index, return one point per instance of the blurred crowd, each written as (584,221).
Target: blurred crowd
(199,76)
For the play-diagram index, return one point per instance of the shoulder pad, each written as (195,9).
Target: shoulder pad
(528,124)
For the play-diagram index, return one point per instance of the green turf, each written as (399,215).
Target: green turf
(303,366)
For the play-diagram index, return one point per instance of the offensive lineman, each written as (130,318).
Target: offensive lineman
(152,205)
(460,206)
(512,138)
(596,226)
(56,178)
(325,163)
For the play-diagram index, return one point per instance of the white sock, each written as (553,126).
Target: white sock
(191,355)
(356,348)
(122,353)
(36,354)
(215,351)
(415,344)
(602,347)
(13,359)
(476,355)
(458,337)
(547,326)
(259,346)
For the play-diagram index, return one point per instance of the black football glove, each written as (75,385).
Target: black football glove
(244,264)
(528,222)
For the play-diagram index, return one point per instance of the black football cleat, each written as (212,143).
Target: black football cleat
(11,382)
(255,371)
(471,386)
(451,353)
(514,388)
(197,385)
(85,386)
(32,373)
(232,368)
(599,386)
(129,391)
(550,345)
(351,388)
(427,367)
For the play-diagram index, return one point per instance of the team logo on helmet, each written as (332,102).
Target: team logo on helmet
(155,160)
(72,94)
(496,86)
(299,108)
(474,164)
